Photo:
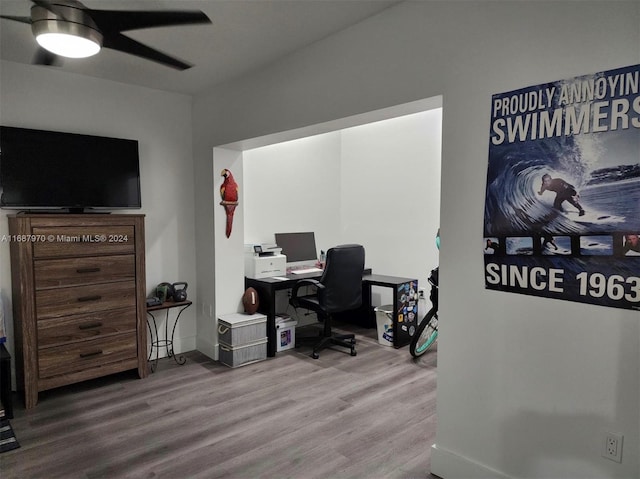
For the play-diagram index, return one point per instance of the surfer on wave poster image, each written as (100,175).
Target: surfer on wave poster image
(564,170)
(566,192)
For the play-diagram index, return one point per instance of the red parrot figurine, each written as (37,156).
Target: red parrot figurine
(229,194)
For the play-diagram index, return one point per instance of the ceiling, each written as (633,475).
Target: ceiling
(244,35)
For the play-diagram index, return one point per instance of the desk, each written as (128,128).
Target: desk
(402,331)
(266,288)
(168,343)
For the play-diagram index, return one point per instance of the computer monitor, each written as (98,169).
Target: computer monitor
(299,248)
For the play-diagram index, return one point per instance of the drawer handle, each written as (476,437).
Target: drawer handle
(92,353)
(87,270)
(97,324)
(89,298)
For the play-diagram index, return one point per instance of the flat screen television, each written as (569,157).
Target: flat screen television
(45,170)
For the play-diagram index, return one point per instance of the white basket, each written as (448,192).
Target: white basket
(238,329)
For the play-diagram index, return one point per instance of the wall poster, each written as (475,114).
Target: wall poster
(562,205)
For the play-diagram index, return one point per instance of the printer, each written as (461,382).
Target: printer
(263,261)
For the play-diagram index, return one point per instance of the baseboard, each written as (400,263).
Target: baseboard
(180,345)
(449,465)
(207,348)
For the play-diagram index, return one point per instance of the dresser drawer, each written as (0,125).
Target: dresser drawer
(53,303)
(82,240)
(52,273)
(86,354)
(59,331)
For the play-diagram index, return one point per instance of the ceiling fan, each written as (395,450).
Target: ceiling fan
(67,28)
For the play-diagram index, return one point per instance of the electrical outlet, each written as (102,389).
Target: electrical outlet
(421,292)
(612,448)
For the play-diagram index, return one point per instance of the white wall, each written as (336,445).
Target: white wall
(229,251)
(294,186)
(391,193)
(526,386)
(50,99)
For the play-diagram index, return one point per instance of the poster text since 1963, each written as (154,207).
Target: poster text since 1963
(596,285)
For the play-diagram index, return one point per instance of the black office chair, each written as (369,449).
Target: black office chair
(338,290)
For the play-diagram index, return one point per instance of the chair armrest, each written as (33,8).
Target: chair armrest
(305,282)
(301,283)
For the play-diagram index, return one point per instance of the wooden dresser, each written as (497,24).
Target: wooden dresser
(78,289)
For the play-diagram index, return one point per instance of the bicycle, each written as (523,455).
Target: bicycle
(427,332)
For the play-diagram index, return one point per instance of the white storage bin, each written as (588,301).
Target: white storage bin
(384,322)
(285,334)
(239,328)
(234,356)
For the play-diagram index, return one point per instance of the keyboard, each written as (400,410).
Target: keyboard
(306,270)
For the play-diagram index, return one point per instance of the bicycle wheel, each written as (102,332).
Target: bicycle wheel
(426,335)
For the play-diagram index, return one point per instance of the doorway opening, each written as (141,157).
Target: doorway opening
(372,179)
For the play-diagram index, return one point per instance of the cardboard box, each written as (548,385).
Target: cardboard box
(285,334)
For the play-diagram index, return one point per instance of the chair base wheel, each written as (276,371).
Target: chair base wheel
(324,341)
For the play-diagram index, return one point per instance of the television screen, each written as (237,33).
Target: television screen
(49,169)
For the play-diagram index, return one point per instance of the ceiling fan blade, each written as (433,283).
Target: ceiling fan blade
(26,20)
(43,4)
(45,57)
(122,21)
(128,45)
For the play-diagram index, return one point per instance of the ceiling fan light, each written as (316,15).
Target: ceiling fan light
(67,45)
(68,31)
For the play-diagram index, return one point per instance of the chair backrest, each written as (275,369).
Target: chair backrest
(342,278)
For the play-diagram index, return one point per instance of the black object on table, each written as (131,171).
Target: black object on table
(5,382)
(156,342)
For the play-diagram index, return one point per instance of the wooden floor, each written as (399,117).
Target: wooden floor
(368,416)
